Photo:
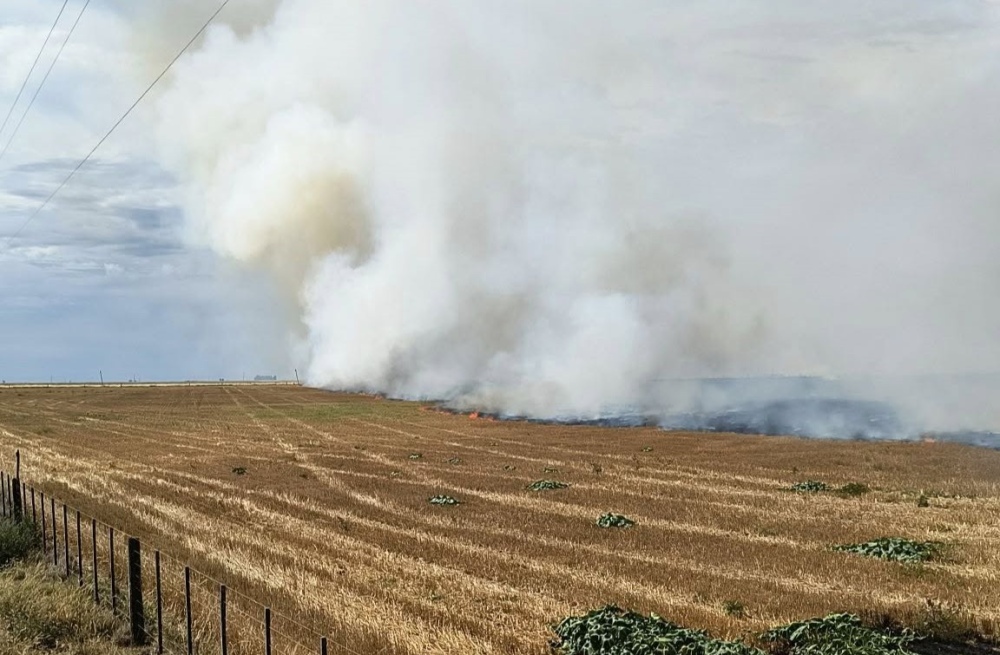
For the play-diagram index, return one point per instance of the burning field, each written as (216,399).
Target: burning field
(320,504)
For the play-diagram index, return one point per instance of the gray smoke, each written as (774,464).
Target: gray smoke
(556,209)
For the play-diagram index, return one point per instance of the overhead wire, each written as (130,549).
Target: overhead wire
(114,127)
(48,72)
(35,63)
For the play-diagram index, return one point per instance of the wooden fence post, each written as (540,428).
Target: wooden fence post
(93,543)
(322,646)
(66,538)
(267,631)
(17,464)
(187,610)
(3,496)
(34,514)
(114,585)
(55,533)
(17,499)
(223,637)
(45,540)
(159,605)
(79,549)
(136,613)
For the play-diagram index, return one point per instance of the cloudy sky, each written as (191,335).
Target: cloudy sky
(837,159)
(104,278)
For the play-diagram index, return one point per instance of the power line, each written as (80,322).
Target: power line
(117,123)
(44,79)
(35,63)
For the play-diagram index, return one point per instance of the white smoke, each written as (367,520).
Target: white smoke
(547,207)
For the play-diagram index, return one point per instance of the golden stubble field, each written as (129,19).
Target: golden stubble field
(331,521)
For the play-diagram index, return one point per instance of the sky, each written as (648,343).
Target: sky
(560,207)
(105,279)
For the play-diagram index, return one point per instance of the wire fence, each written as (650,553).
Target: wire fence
(169,605)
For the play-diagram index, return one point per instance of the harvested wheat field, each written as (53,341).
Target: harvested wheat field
(318,503)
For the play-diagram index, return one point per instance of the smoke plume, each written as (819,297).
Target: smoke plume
(560,209)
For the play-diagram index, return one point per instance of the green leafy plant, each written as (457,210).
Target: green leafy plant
(853,489)
(546,485)
(734,608)
(896,549)
(810,486)
(922,501)
(443,500)
(836,634)
(613,631)
(615,521)
(240,470)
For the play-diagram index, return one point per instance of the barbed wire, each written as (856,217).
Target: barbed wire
(164,557)
(76,564)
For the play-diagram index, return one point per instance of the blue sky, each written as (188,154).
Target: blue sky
(104,278)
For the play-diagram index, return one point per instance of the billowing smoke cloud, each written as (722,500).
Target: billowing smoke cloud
(556,208)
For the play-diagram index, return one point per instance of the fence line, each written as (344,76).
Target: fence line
(101,544)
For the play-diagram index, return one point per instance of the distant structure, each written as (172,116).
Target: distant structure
(265,378)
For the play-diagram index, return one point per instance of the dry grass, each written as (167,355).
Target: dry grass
(39,613)
(331,522)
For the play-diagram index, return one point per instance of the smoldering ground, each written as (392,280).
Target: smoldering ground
(546,209)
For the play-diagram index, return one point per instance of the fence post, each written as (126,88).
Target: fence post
(223,637)
(3,496)
(17,464)
(93,543)
(159,606)
(267,631)
(55,533)
(79,549)
(114,586)
(16,499)
(187,610)
(137,617)
(322,646)
(66,538)
(45,540)
(34,514)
